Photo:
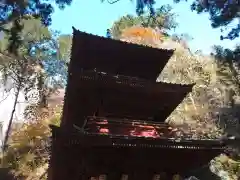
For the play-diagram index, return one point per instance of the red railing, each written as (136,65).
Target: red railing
(127,127)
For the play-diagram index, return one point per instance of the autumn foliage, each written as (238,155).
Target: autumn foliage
(142,35)
(28,151)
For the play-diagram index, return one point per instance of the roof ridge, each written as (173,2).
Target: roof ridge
(123,42)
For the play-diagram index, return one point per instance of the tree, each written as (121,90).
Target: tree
(49,51)
(222,13)
(182,39)
(25,67)
(226,168)
(140,5)
(229,73)
(28,152)
(163,19)
(14,11)
(229,58)
(34,37)
(20,71)
(57,64)
(140,35)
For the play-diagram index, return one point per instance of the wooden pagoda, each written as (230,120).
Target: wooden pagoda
(113,116)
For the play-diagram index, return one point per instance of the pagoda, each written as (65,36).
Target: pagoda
(113,123)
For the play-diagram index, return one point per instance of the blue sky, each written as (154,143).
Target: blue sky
(95,17)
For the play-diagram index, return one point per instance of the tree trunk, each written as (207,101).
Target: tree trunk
(193,102)
(41,88)
(10,122)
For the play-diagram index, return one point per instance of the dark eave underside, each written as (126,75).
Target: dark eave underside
(112,56)
(87,79)
(124,97)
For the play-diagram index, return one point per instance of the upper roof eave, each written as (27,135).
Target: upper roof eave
(113,56)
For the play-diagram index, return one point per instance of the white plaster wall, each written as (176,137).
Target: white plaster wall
(7,98)
(6,107)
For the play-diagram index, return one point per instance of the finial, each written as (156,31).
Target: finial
(74,29)
(108,33)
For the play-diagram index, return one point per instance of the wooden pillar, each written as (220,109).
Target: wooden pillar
(64,160)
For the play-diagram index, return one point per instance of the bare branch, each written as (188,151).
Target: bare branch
(5,97)
(112,2)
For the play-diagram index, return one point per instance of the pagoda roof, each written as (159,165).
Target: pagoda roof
(74,136)
(133,154)
(117,57)
(126,97)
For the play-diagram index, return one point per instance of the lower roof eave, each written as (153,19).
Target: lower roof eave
(108,140)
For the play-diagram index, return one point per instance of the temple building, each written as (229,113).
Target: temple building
(113,123)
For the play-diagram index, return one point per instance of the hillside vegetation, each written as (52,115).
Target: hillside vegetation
(212,109)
